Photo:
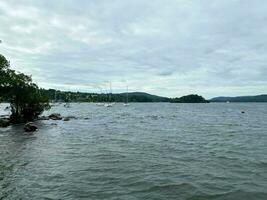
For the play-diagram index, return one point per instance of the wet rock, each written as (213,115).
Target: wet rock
(55,116)
(4,122)
(154,117)
(242,111)
(66,119)
(30,127)
(71,117)
(43,118)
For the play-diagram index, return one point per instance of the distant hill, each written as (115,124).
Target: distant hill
(66,96)
(192,98)
(143,97)
(258,98)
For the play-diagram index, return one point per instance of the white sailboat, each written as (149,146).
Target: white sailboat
(109,104)
(100,103)
(67,104)
(126,103)
(53,102)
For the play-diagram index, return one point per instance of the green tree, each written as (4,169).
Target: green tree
(26,101)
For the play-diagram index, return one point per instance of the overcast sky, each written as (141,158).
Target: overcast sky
(164,47)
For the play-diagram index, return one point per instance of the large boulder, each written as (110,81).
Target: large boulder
(4,122)
(55,116)
(30,127)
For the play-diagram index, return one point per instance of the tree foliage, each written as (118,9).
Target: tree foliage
(24,96)
(192,98)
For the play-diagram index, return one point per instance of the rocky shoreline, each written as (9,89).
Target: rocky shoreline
(31,126)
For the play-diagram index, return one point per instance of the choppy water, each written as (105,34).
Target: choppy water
(145,151)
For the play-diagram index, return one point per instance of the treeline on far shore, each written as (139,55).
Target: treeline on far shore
(53,95)
(67,96)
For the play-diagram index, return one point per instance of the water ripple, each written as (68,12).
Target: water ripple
(144,151)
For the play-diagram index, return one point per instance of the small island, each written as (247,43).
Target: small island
(192,98)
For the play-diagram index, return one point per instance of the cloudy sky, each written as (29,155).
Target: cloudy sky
(164,47)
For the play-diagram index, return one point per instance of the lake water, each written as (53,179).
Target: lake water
(144,151)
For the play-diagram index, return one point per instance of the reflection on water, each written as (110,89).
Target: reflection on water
(144,151)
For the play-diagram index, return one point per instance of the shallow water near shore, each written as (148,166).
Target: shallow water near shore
(144,151)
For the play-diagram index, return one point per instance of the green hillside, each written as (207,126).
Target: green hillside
(258,98)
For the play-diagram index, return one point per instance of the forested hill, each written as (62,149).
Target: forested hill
(192,98)
(64,96)
(258,98)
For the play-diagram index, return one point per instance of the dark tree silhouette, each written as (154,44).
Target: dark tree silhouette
(24,96)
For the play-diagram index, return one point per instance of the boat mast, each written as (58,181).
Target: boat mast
(127,95)
(55,98)
(110,90)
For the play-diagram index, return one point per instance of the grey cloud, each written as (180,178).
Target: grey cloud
(168,47)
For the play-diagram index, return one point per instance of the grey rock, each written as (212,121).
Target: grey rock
(72,117)
(55,116)
(43,118)
(66,119)
(30,127)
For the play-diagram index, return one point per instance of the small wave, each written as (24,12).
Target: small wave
(169,189)
(263,164)
(234,195)
(153,117)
